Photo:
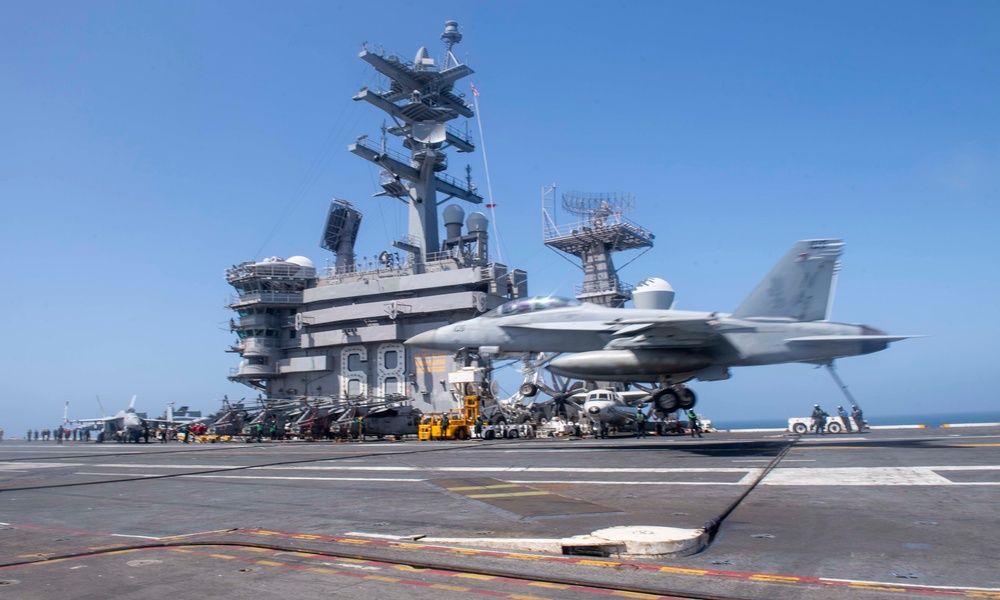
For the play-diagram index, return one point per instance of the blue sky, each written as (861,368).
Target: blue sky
(147,146)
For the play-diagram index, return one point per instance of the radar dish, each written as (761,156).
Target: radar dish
(302,262)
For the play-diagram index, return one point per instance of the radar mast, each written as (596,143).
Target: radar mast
(421,100)
(599,230)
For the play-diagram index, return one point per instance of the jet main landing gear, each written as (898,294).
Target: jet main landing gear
(668,400)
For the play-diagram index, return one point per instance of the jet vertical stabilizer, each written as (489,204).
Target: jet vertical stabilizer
(800,286)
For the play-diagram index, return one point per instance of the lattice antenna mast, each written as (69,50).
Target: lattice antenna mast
(600,230)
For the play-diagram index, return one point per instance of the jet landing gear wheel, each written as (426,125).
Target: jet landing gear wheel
(666,401)
(800,428)
(528,390)
(686,398)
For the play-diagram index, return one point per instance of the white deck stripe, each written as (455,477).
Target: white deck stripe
(839,477)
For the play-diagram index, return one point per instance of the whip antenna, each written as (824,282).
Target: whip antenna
(489,185)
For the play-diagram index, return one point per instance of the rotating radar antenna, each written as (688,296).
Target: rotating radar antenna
(599,231)
(598,208)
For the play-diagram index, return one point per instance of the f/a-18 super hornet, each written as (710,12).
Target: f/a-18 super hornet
(127,421)
(784,320)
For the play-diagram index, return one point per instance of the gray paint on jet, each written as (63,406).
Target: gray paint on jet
(783,320)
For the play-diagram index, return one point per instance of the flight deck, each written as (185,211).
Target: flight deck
(888,513)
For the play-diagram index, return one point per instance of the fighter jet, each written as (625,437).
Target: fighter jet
(784,320)
(126,421)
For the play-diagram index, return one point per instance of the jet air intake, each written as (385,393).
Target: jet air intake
(628,365)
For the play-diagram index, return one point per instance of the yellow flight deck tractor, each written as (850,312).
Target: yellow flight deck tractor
(459,425)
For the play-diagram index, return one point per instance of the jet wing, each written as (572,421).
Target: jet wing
(666,332)
(98,420)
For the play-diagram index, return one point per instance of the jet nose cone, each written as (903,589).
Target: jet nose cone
(427,339)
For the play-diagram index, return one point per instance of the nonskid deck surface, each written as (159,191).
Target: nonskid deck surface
(891,512)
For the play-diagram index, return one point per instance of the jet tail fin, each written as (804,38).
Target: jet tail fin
(800,286)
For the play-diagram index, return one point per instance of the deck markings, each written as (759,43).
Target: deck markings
(518,498)
(740,475)
(776,578)
(811,476)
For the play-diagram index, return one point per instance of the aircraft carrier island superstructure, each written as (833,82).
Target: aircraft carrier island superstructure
(337,333)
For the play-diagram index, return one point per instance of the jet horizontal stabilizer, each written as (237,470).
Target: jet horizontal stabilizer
(819,339)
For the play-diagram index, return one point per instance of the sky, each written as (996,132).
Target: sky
(147,146)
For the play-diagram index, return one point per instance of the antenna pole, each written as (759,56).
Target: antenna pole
(489,185)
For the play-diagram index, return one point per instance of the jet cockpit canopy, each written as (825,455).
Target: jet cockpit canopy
(529,305)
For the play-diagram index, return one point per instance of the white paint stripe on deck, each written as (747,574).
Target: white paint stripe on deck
(498,469)
(856,476)
(838,477)
(528,469)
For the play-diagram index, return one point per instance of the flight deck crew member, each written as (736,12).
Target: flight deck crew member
(693,422)
(858,417)
(819,419)
(444,426)
(640,423)
(844,417)
(478,429)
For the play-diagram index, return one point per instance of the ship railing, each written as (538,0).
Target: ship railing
(462,185)
(596,287)
(465,136)
(337,275)
(397,58)
(266,298)
(371,145)
(378,149)
(248,270)
(551,230)
(456,254)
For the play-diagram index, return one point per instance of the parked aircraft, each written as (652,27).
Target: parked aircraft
(125,420)
(785,319)
(612,408)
